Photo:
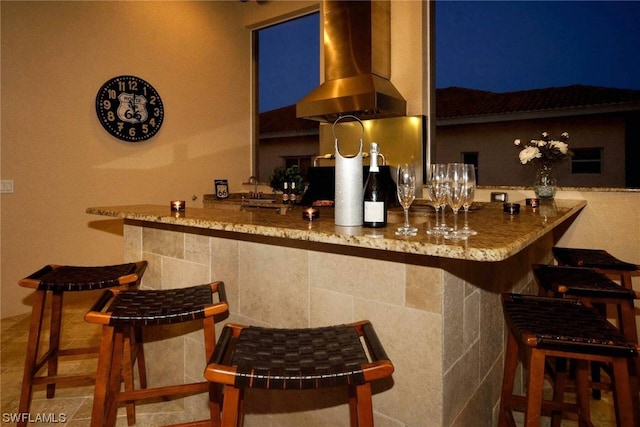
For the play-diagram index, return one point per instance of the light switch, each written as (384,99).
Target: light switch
(6,186)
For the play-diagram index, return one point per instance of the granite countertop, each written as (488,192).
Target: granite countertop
(499,235)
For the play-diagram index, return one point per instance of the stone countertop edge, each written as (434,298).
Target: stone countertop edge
(499,235)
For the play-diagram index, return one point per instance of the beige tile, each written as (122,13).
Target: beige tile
(368,278)
(273,286)
(424,288)
(163,242)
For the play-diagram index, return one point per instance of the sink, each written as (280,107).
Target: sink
(249,207)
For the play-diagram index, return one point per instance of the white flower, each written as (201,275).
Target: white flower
(528,154)
(545,134)
(565,135)
(517,141)
(562,147)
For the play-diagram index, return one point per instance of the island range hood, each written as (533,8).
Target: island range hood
(357,64)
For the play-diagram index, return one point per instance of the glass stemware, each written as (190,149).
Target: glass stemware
(406,185)
(436,177)
(455,197)
(470,189)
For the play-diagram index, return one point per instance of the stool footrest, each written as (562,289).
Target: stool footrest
(173,390)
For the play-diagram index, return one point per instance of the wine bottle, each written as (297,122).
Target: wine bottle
(375,197)
(293,197)
(285,194)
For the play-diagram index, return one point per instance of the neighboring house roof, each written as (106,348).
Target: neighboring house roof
(284,119)
(458,103)
(462,105)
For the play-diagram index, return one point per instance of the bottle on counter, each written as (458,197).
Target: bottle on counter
(375,197)
(293,196)
(285,194)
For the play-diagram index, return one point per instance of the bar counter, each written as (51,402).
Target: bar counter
(435,304)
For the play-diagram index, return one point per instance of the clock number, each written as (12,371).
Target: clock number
(152,122)
(145,128)
(132,132)
(110,116)
(152,100)
(106,104)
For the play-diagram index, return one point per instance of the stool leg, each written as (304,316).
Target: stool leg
(626,415)
(353,407)
(103,374)
(215,392)
(559,383)
(33,344)
(230,407)
(535,381)
(505,416)
(111,406)
(139,356)
(129,359)
(582,391)
(364,404)
(54,339)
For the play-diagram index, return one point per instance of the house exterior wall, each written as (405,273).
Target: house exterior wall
(498,162)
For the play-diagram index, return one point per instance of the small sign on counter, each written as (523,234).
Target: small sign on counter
(222,188)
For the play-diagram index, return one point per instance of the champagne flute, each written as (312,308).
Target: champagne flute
(470,189)
(455,197)
(435,174)
(406,194)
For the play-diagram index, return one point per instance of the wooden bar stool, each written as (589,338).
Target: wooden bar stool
(594,289)
(118,311)
(57,280)
(540,328)
(298,359)
(599,259)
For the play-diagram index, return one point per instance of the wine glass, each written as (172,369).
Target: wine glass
(406,194)
(455,197)
(435,175)
(470,189)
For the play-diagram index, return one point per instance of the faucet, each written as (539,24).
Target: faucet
(254,180)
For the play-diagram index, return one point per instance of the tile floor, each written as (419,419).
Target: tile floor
(75,402)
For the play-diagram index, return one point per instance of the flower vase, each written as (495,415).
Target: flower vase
(545,184)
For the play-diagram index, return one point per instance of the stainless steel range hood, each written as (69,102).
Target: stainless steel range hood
(357,64)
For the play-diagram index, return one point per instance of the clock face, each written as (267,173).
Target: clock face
(129,108)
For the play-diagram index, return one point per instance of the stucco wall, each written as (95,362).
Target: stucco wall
(55,57)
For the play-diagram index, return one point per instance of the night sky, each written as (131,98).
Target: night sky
(499,46)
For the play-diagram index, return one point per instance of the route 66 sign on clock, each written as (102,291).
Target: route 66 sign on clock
(129,108)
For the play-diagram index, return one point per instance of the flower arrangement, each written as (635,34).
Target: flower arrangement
(544,151)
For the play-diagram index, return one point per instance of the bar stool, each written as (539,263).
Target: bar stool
(118,311)
(57,280)
(599,259)
(298,359)
(594,289)
(551,327)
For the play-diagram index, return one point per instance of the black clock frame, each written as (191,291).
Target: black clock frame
(129,108)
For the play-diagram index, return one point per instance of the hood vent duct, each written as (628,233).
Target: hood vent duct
(357,64)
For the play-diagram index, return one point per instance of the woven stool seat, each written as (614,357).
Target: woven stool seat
(120,310)
(579,281)
(56,280)
(564,325)
(71,279)
(562,328)
(159,307)
(599,259)
(297,359)
(593,258)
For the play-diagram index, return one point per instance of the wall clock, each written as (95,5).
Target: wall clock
(129,108)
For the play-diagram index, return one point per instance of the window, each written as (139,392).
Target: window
(586,160)
(515,69)
(471,158)
(287,58)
